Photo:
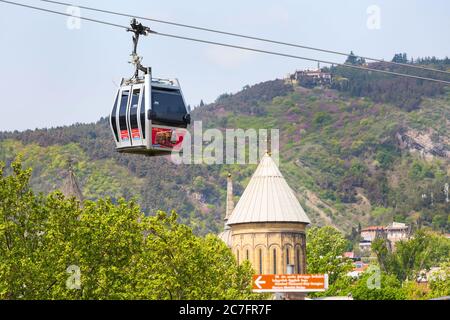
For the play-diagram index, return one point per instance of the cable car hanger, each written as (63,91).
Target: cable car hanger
(138,29)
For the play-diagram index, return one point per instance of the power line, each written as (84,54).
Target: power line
(63,14)
(245,36)
(234,46)
(300,58)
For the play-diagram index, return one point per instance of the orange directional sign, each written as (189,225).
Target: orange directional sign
(290,283)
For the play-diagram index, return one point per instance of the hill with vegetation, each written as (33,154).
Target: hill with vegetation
(369,149)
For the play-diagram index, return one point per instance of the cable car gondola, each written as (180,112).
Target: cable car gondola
(149,115)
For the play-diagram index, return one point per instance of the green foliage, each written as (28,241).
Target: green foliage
(340,147)
(423,251)
(358,169)
(376,285)
(390,288)
(354,60)
(118,251)
(396,280)
(192,268)
(325,247)
(416,291)
(440,282)
(386,156)
(101,178)
(400,58)
(378,212)
(420,171)
(321,119)
(405,93)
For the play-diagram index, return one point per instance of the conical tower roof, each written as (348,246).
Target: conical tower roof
(70,187)
(268,198)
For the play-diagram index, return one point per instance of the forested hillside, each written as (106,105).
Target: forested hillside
(365,151)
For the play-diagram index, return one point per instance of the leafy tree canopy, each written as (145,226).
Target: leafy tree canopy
(56,248)
(411,257)
(325,247)
(390,288)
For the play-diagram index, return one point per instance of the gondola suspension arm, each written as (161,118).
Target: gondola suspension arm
(138,30)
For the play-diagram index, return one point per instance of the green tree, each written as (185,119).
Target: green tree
(382,251)
(352,59)
(321,119)
(325,247)
(390,288)
(416,291)
(400,58)
(440,281)
(190,267)
(355,60)
(54,248)
(423,251)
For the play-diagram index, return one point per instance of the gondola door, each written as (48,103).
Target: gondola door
(134,122)
(122,117)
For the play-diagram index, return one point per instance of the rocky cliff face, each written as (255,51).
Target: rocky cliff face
(429,144)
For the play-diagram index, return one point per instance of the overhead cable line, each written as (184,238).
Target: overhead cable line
(233,46)
(63,14)
(301,58)
(244,36)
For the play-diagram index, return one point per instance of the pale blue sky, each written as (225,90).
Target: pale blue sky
(53,76)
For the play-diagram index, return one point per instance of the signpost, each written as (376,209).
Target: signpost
(290,283)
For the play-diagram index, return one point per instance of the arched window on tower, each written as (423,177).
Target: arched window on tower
(297,262)
(287,257)
(247,255)
(260,261)
(274,261)
(237,256)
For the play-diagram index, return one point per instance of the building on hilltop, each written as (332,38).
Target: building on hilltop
(393,233)
(267,226)
(397,231)
(310,78)
(371,233)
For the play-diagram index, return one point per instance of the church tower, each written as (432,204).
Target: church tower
(226,234)
(268,224)
(71,187)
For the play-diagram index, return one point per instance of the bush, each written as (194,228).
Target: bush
(321,119)
(390,288)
